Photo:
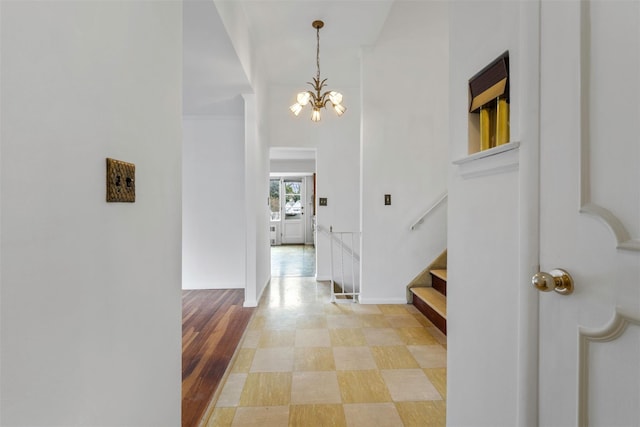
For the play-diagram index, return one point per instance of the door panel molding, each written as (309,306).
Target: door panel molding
(622,236)
(624,240)
(610,332)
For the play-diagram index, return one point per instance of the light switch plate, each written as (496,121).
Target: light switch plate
(387,199)
(322,201)
(121,181)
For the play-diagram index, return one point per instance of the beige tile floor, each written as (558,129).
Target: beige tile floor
(304,361)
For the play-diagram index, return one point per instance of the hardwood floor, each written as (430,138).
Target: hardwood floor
(213,322)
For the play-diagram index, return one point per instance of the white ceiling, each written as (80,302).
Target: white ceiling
(284,43)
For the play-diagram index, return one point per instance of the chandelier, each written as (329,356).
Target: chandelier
(314,97)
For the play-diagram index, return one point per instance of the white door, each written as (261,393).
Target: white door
(589,347)
(293,214)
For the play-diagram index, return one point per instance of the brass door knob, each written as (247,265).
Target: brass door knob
(556,280)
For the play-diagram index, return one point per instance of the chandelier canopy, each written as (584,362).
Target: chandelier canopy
(314,97)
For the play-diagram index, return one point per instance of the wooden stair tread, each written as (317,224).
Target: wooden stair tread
(433,298)
(441,273)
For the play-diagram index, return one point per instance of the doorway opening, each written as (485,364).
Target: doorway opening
(292,190)
(293,261)
(291,200)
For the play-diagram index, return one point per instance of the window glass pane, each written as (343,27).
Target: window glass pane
(292,187)
(293,204)
(274,199)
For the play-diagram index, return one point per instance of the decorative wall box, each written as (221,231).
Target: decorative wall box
(489,106)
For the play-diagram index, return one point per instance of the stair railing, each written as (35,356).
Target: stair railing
(343,244)
(437,203)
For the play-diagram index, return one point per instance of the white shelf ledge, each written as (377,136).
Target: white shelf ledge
(494,160)
(490,152)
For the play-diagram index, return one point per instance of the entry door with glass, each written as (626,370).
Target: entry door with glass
(293,224)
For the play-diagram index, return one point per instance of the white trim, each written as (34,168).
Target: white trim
(250,304)
(610,332)
(504,158)
(207,285)
(488,153)
(323,278)
(213,117)
(622,236)
(254,303)
(365,300)
(528,116)
(289,174)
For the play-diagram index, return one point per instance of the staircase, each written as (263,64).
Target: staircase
(428,291)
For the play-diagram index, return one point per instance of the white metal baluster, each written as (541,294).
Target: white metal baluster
(344,251)
(333,288)
(353,270)
(343,283)
(359,242)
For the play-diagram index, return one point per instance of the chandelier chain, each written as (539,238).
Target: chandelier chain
(316,99)
(318,52)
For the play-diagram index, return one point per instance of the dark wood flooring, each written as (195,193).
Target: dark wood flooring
(213,322)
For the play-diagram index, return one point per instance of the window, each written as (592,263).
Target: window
(293,204)
(274,199)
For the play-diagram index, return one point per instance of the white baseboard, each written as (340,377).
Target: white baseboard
(192,286)
(250,304)
(254,303)
(365,300)
(323,278)
(266,283)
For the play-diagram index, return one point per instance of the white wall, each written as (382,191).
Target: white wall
(258,213)
(336,140)
(301,166)
(235,22)
(262,214)
(90,303)
(483,257)
(213,203)
(404,147)
(252,291)
(255,164)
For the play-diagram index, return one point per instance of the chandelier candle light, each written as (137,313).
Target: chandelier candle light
(314,97)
